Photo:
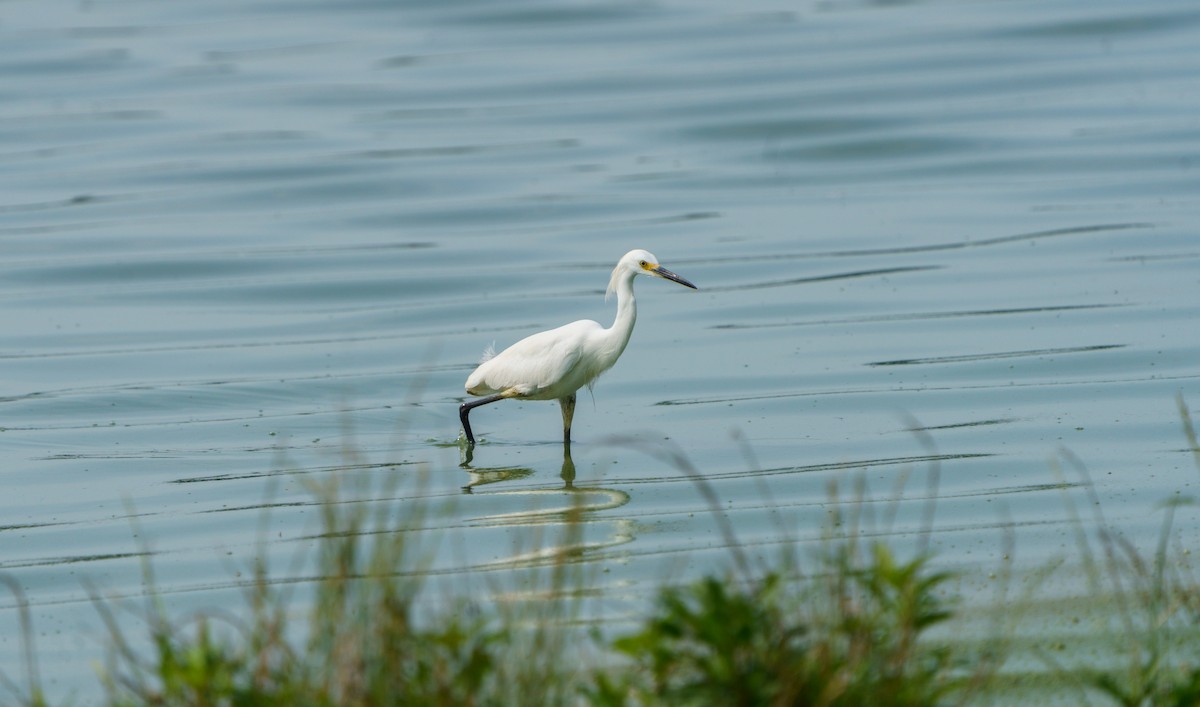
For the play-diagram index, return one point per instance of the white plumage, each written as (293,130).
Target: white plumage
(554,364)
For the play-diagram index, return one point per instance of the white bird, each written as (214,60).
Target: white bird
(554,364)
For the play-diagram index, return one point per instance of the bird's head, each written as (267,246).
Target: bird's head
(642,262)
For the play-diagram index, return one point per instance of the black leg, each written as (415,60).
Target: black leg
(568,412)
(465,409)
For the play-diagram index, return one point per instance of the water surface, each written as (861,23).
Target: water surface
(252,245)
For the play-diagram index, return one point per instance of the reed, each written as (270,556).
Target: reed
(853,622)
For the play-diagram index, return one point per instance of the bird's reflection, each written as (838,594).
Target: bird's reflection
(568,507)
(484,476)
(568,468)
(481,476)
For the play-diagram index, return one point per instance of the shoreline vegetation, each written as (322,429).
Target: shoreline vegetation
(855,621)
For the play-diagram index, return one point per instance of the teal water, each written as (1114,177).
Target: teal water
(249,245)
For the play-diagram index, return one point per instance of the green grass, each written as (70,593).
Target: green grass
(853,638)
(366,640)
(1153,600)
(850,623)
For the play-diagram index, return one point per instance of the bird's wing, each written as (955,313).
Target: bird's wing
(536,364)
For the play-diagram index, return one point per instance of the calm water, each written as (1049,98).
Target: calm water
(247,245)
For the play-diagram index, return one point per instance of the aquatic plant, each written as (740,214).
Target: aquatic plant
(365,641)
(856,636)
(32,695)
(1153,600)
(853,622)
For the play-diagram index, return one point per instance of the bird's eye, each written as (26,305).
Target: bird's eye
(642,263)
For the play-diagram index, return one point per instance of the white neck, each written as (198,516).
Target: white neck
(622,328)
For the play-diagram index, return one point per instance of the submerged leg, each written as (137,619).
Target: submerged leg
(465,409)
(568,468)
(568,412)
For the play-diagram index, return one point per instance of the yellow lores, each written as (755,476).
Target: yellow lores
(553,365)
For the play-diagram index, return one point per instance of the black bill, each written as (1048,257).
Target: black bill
(663,272)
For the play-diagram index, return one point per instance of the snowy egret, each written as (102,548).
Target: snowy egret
(553,365)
